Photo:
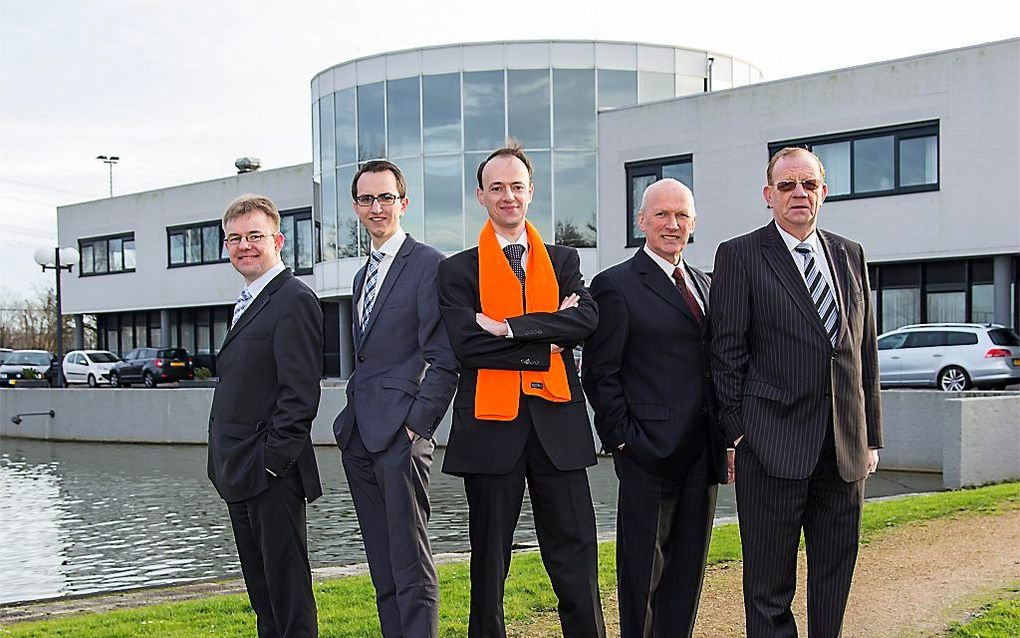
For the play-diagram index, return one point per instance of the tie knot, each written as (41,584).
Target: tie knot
(513,251)
(244,296)
(377,256)
(803,248)
(678,275)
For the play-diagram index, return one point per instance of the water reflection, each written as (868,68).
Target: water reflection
(78,518)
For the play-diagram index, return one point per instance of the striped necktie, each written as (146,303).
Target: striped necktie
(821,293)
(371,283)
(242,302)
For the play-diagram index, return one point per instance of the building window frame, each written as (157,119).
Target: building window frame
(104,241)
(648,168)
(299,215)
(899,133)
(182,229)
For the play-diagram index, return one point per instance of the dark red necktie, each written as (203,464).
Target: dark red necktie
(688,296)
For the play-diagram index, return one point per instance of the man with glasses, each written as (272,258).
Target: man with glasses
(404,378)
(795,363)
(261,459)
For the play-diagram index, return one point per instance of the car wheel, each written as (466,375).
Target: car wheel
(953,379)
(115,380)
(92,381)
(149,380)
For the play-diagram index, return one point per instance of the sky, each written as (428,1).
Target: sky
(179,90)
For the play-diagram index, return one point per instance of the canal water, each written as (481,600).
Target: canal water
(79,518)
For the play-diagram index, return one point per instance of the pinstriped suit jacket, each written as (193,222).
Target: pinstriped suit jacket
(777,375)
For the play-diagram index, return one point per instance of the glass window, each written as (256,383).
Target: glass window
(655,86)
(574,108)
(641,175)
(982,303)
(1003,337)
(441,113)
(211,243)
(99,253)
(528,95)
(484,112)
(836,160)
(873,164)
(289,240)
(327,130)
(116,255)
(403,117)
(221,318)
(683,172)
(918,161)
(617,88)
(304,244)
(892,341)
(575,179)
(926,339)
(961,338)
(177,248)
(87,265)
(413,221)
(345,230)
(329,216)
(946,307)
(474,213)
(194,249)
(900,307)
(129,254)
(540,211)
(638,184)
(346,127)
(316,166)
(689,85)
(444,224)
(371,122)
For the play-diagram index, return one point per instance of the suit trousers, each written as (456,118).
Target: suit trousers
(663,527)
(772,512)
(390,490)
(269,530)
(565,526)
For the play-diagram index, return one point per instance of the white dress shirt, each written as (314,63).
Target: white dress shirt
(820,260)
(522,239)
(389,249)
(257,286)
(669,268)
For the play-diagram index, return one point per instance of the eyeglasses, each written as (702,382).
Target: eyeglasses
(253,237)
(788,185)
(385,199)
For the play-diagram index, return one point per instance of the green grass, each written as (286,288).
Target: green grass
(347,605)
(1000,619)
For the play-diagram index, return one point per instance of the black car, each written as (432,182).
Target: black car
(152,366)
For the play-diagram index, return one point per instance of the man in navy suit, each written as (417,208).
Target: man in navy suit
(260,447)
(404,378)
(795,361)
(645,370)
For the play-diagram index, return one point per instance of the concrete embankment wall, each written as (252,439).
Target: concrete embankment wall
(971,437)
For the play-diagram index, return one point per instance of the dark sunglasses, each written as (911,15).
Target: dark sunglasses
(788,185)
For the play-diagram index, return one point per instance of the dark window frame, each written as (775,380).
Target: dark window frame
(301,214)
(176,230)
(105,241)
(899,132)
(648,168)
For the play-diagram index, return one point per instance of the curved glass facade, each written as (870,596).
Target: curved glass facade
(437,112)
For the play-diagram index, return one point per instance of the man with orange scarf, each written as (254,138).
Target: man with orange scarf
(514,308)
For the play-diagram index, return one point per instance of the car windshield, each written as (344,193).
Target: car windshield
(1003,337)
(3,356)
(173,353)
(28,359)
(103,357)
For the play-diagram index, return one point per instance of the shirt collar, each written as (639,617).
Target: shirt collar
(522,240)
(792,242)
(666,266)
(255,287)
(393,244)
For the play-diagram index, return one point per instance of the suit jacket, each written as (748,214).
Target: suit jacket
(405,372)
(647,370)
(779,380)
(493,447)
(269,366)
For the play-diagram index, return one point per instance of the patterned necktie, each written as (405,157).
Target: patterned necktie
(685,292)
(371,281)
(821,294)
(514,253)
(242,302)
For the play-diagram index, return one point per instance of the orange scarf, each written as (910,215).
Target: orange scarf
(497,394)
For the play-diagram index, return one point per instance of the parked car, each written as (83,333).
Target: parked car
(152,366)
(18,362)
(4,353)
(949,356)
(88,366)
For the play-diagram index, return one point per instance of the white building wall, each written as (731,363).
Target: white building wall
(973,92)
(153,285)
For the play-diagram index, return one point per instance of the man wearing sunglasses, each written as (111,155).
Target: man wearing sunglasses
(795,363)
(260,447)
(404,377)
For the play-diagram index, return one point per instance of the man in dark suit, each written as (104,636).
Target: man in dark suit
(402,384)
(795,363)
(260,447)
(645,370)
(514,308)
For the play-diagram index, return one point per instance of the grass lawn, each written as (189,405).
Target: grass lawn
(1000,619)
(347,605)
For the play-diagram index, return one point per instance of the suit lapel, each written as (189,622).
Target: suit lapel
(835,252)
(399,261)
(256,306)
(778,257)
(653,277)
(359,283)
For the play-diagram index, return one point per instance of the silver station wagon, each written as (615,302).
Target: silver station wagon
(950,356)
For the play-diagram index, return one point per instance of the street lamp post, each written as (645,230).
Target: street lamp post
(109,160)
(57,260)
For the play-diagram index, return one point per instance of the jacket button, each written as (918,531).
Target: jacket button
(833,354)
(361,358)
(708,375)
(704,409)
